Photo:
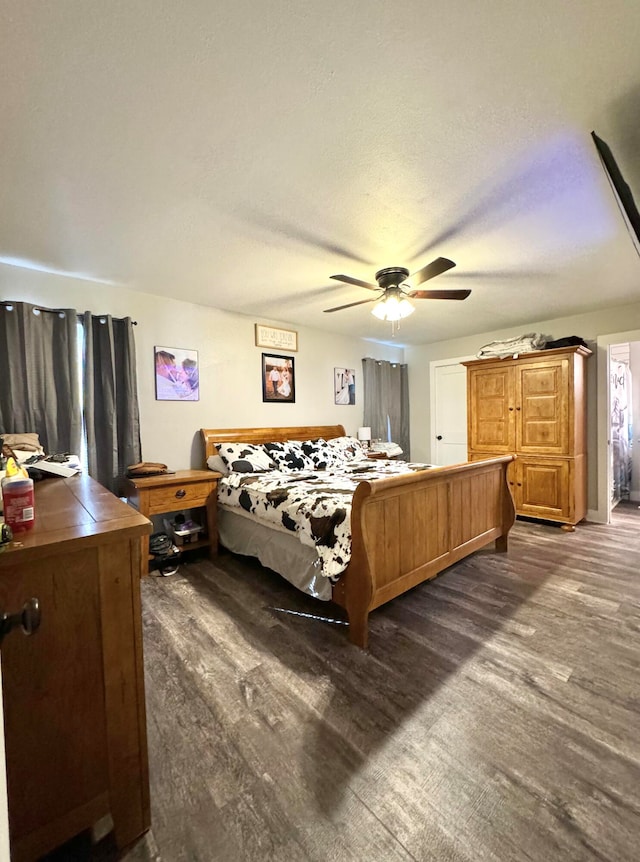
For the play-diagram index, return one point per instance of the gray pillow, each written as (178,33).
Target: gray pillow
(215,462)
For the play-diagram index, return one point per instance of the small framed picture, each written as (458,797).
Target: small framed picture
(278,378)
(344,385)
(177,374)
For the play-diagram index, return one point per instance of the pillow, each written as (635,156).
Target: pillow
(347,449)
(289,456)
(245,457)
(215,462)
(29,442)
(322,456)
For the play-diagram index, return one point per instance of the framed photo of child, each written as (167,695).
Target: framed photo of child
(177,374)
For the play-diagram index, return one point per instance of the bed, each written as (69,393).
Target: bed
(405,529)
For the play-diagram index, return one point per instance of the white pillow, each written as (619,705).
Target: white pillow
(322,456)
(245,457)
(215,462)
(348,448)
(289,456)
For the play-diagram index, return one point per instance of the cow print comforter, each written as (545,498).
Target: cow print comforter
(315,506)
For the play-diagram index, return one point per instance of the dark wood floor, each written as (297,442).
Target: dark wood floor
(495,717)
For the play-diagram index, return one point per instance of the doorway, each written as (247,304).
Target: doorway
(611,478)
(448,411)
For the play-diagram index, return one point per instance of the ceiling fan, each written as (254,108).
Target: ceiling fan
(393,300)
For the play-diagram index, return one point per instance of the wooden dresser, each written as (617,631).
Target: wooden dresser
(534,407)
(74,708)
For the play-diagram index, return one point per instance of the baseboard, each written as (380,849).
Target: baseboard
(595,516)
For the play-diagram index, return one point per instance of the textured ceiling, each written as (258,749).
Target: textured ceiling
(237,154)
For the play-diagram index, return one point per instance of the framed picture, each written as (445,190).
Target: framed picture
(177,374)
(344,385)
(278,378)
(280,339)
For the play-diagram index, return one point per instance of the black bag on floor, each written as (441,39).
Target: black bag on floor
(166,555)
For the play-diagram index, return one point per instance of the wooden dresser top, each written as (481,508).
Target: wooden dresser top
(78,510)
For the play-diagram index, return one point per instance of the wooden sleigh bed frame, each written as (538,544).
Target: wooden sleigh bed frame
(405,529)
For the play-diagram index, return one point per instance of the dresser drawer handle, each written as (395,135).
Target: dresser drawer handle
(28,618)
(181,493)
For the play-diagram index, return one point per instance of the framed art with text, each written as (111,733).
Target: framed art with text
(279,339)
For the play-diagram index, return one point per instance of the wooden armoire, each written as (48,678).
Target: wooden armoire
(534,406)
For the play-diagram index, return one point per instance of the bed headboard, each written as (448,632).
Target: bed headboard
(211,436)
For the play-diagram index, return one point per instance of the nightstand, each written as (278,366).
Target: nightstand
(377,456)
(184,489)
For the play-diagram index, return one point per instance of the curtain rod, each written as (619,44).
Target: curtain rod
(11,303)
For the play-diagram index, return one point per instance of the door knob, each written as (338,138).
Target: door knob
(29,618)
(438,436)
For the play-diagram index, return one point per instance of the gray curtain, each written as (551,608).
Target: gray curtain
(386,401)
(39,375)
(111,414)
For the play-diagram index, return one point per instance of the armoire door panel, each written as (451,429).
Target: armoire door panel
(542,408)
(544,489)
(491,410)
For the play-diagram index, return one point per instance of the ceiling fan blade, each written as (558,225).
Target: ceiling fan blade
(350,305)
(436,267)
(438,294)
(349,280)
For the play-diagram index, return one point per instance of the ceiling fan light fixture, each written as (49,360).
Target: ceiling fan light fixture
(391,303)
(391,308)
(379,310)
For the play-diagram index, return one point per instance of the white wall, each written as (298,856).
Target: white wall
(230,363)
(587,326)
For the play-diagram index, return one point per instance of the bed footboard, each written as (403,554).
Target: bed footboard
(408,528)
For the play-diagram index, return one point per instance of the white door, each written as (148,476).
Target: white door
(448,412)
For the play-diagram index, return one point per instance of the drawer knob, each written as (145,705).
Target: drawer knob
(28,618)
(181,493)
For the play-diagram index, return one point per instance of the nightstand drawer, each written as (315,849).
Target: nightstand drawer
(173,497)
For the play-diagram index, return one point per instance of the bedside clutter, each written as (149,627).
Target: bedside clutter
(380,449)
(182,530)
